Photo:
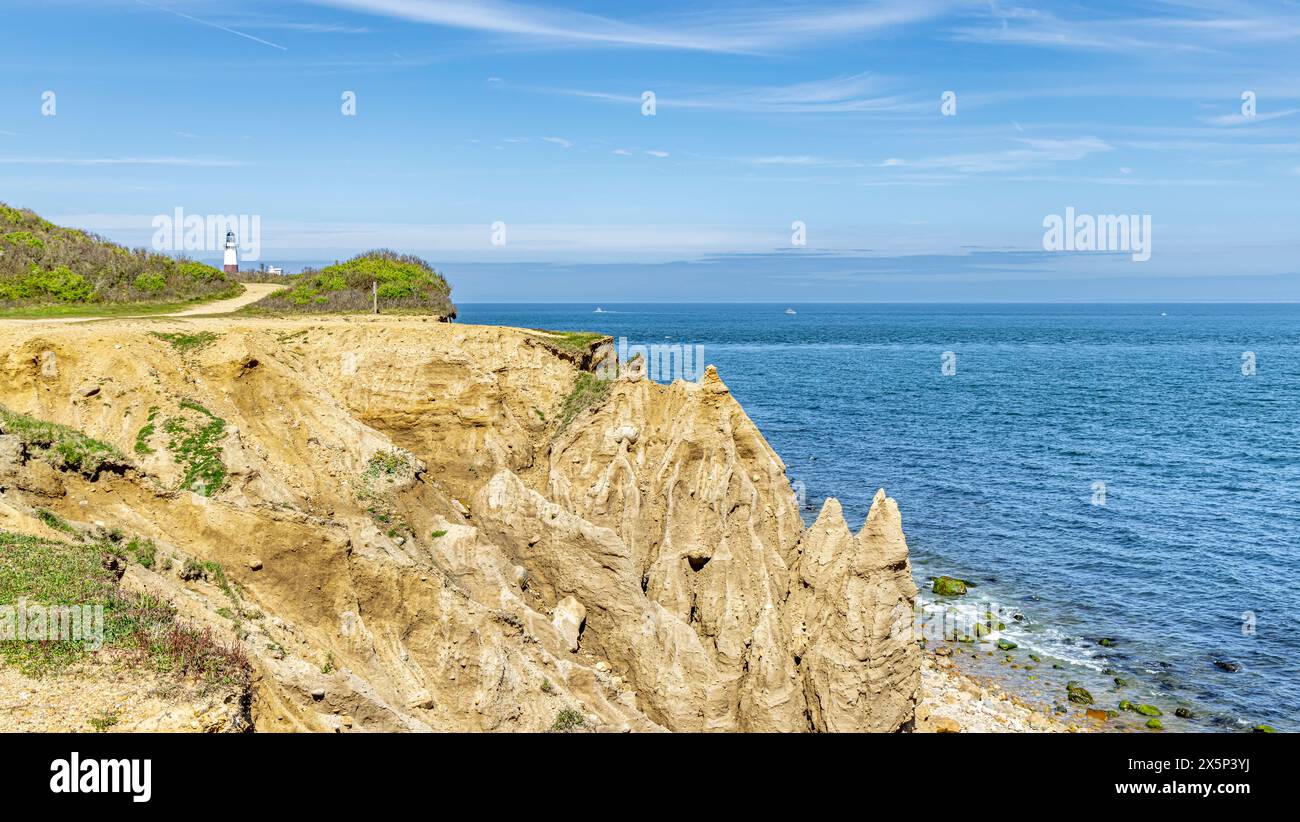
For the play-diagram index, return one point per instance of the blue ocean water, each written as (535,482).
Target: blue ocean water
(1102,470)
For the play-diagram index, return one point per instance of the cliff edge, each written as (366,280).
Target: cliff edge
(413,525)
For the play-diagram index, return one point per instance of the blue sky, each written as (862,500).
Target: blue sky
(468,113)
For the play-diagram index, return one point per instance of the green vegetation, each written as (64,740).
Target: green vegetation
(53,520)
(438,534)
(579,342)
(104,721)
(388,464)
(62,447)
(403,284)
(49,270)
(188,343)
(144,551)
(567,720)
(588,390)
(375,489)
(948,586)
(49,572)
(146,431)
(1078,694)
(195,443)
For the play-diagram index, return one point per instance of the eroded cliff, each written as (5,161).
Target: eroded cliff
(417,533)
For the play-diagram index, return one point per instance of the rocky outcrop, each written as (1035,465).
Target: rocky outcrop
(852,621)
(428,549)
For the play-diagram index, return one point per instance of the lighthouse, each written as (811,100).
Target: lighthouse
(232,256)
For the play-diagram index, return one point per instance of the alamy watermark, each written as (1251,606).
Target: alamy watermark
(128,776)
(179,231)
(1104,232)
(948,104)
(28,622)
(660,362)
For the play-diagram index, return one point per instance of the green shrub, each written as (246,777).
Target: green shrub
(403,284)
(151,281)
(42,264)
(567,720)
(25,238)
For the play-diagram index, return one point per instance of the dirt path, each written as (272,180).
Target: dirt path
(252,293)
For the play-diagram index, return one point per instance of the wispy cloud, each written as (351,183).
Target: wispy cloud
(559,141)
(657,153)
(726,30)
(1026,154)
(1239,119)
(236,32)
(863,93)
(1198,26)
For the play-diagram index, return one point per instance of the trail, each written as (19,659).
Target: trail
(252,293)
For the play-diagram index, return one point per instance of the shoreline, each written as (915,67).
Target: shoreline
(955,701)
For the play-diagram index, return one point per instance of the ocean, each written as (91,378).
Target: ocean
(1127,473)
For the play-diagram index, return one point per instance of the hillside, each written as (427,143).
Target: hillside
(45,265)
(403,524)
(398,283)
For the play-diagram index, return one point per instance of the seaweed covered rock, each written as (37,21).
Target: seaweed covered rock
(948,587)
(1078,694)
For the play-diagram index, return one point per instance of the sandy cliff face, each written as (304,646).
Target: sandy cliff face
(423,547)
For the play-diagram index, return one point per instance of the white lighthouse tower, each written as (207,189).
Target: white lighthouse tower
(232,256)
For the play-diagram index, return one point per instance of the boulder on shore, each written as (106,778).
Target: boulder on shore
(948,587)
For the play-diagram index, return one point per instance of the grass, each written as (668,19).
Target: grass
(567,720)
(588,390)
(54,521)
(578,342)
(107,310)
(104,721)
(188,343)
(194,441)
(60,446)
(143,628)
(146,431)
(438,534)
(143,551)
